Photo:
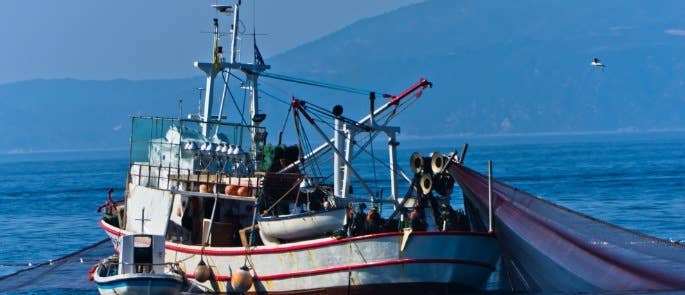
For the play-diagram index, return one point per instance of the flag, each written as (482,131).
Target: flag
(216,56)
(258,55)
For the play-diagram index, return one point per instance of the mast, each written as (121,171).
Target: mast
(234,31)
(211,72)
(234,37)
(337,160)
(252,72)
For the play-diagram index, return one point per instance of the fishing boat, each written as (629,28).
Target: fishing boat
(239,215)
(139,268)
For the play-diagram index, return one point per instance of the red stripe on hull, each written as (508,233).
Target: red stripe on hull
(395,288)
(292,247)
(348,267)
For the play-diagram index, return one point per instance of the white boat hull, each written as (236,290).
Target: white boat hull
(139,284)
(444,259)
(299,226)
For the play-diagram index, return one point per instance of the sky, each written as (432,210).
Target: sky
(152,39)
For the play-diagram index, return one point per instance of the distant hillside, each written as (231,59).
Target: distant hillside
(516,66)
(497,67)
(74,114)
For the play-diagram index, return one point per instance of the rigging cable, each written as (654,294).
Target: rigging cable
(318,84)
(285,122)
(283,101)
(235,103)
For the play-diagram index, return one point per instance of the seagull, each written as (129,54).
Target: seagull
(597,63)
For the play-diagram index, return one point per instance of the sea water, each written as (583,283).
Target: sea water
(48,201)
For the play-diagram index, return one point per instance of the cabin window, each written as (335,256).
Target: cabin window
(142,254)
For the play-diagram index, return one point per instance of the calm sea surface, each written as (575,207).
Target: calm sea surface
(48,200)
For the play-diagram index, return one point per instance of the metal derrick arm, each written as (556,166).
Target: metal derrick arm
(298,107)
(394,101)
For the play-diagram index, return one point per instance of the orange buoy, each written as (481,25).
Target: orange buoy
(241,280)
(243,191)
(204,188)
(232,190)
(202,272)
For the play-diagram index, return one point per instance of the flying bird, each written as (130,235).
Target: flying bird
(597,63)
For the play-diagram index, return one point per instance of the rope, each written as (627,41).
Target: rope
(56,261)
(317,83)
(316,169)
(285,123)
(284,195)
(283,101)
(235,103)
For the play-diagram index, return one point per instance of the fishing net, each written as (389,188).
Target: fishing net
(68,273)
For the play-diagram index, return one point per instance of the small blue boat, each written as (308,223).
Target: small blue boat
(139,270)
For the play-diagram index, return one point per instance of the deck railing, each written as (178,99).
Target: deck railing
(179,144)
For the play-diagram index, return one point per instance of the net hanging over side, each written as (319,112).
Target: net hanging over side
(69,272)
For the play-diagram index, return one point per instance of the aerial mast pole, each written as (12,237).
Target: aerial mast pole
(252,71)
(227,9)
(258,136)
(209,84)
(234,31)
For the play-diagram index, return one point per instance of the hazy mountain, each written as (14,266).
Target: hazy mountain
(497,67)
(76,114)
(516,66)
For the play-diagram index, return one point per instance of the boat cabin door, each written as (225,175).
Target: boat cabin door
(142,253)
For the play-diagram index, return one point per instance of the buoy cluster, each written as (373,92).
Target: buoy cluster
(241,279)
(432,173)
(236,190)
(233,190)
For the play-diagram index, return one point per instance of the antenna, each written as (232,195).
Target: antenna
(228,9)
(200,90)
(180,108)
